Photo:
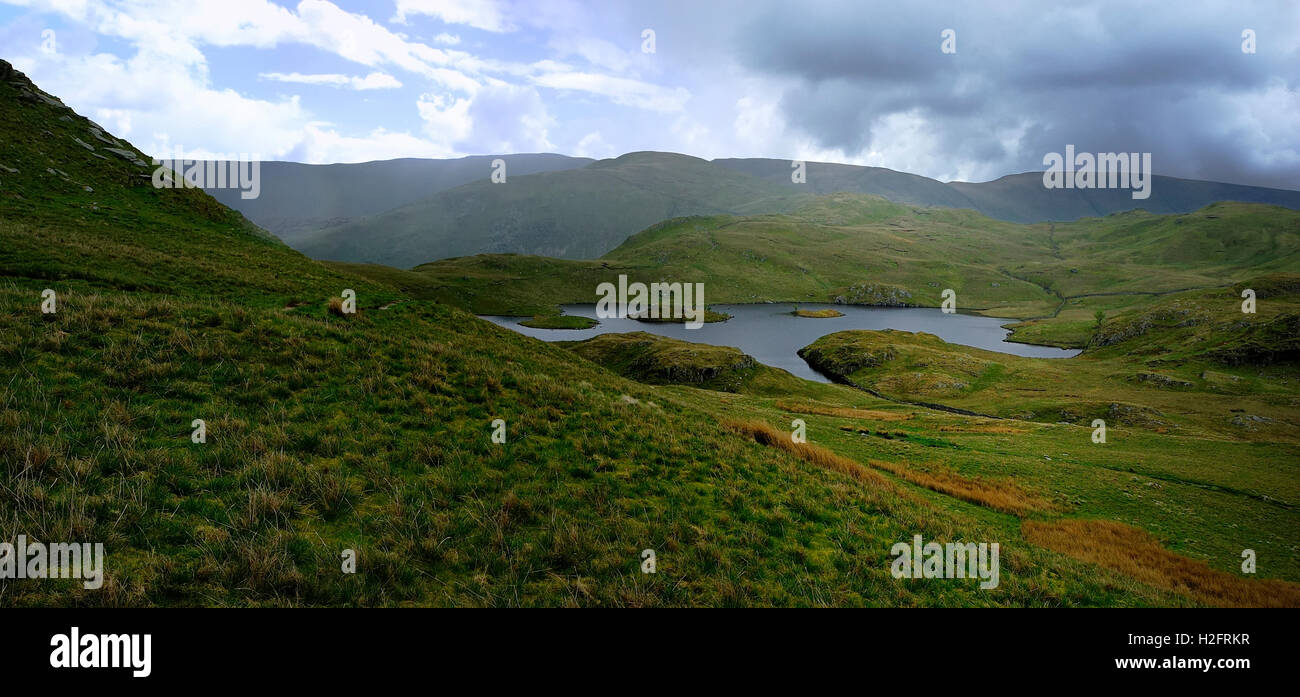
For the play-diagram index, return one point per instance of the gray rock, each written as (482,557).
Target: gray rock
(128,156)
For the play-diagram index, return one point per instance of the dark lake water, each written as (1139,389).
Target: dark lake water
(772,335)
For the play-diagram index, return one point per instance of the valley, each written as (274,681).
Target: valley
(372,432)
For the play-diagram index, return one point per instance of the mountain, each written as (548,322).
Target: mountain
(297,199)
(585,211)
(579,213)
(1017,198)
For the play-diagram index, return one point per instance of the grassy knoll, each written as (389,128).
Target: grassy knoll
(656,359)
(559,322)
(818,314)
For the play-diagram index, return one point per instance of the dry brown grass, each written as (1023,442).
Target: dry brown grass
(336,306)
(1134,552)
(807,408)
(814,454)
(1000,494)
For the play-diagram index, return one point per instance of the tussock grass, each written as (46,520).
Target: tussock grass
(1000,495)
(1135,552)
(814,454)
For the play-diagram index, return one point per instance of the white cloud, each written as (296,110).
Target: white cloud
(446,119)
(488,15)
(373,81)
(320,145)
(595,51)
(593,145)
(621,90)
(149,93)
(470,103)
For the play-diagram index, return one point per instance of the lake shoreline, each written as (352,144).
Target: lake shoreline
(773,335)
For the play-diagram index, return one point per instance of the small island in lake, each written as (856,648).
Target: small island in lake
(828,312)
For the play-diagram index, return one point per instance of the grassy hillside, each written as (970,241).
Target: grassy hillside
(830,178)
(1189,493)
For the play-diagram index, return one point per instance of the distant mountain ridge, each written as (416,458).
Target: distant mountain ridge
(1015,198)
(573,214)
(406,212)
(298,198)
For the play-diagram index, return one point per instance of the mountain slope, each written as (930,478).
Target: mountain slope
(1023,198)
(297,199)
(586,212)
(1019,198)
(578,213)
(831,178)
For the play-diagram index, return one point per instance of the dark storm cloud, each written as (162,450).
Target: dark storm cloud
(1163,77)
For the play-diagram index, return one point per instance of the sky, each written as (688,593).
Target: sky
(854,81)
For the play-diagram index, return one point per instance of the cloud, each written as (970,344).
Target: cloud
(624,91)
(320,144)
(596,51)
(487,15)
(496,119)
(871,83)
(593,145)
(373,81)
(860,81)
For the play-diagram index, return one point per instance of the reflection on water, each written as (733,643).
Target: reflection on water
(772,335)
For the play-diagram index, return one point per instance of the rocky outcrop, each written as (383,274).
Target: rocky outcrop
(875,294)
